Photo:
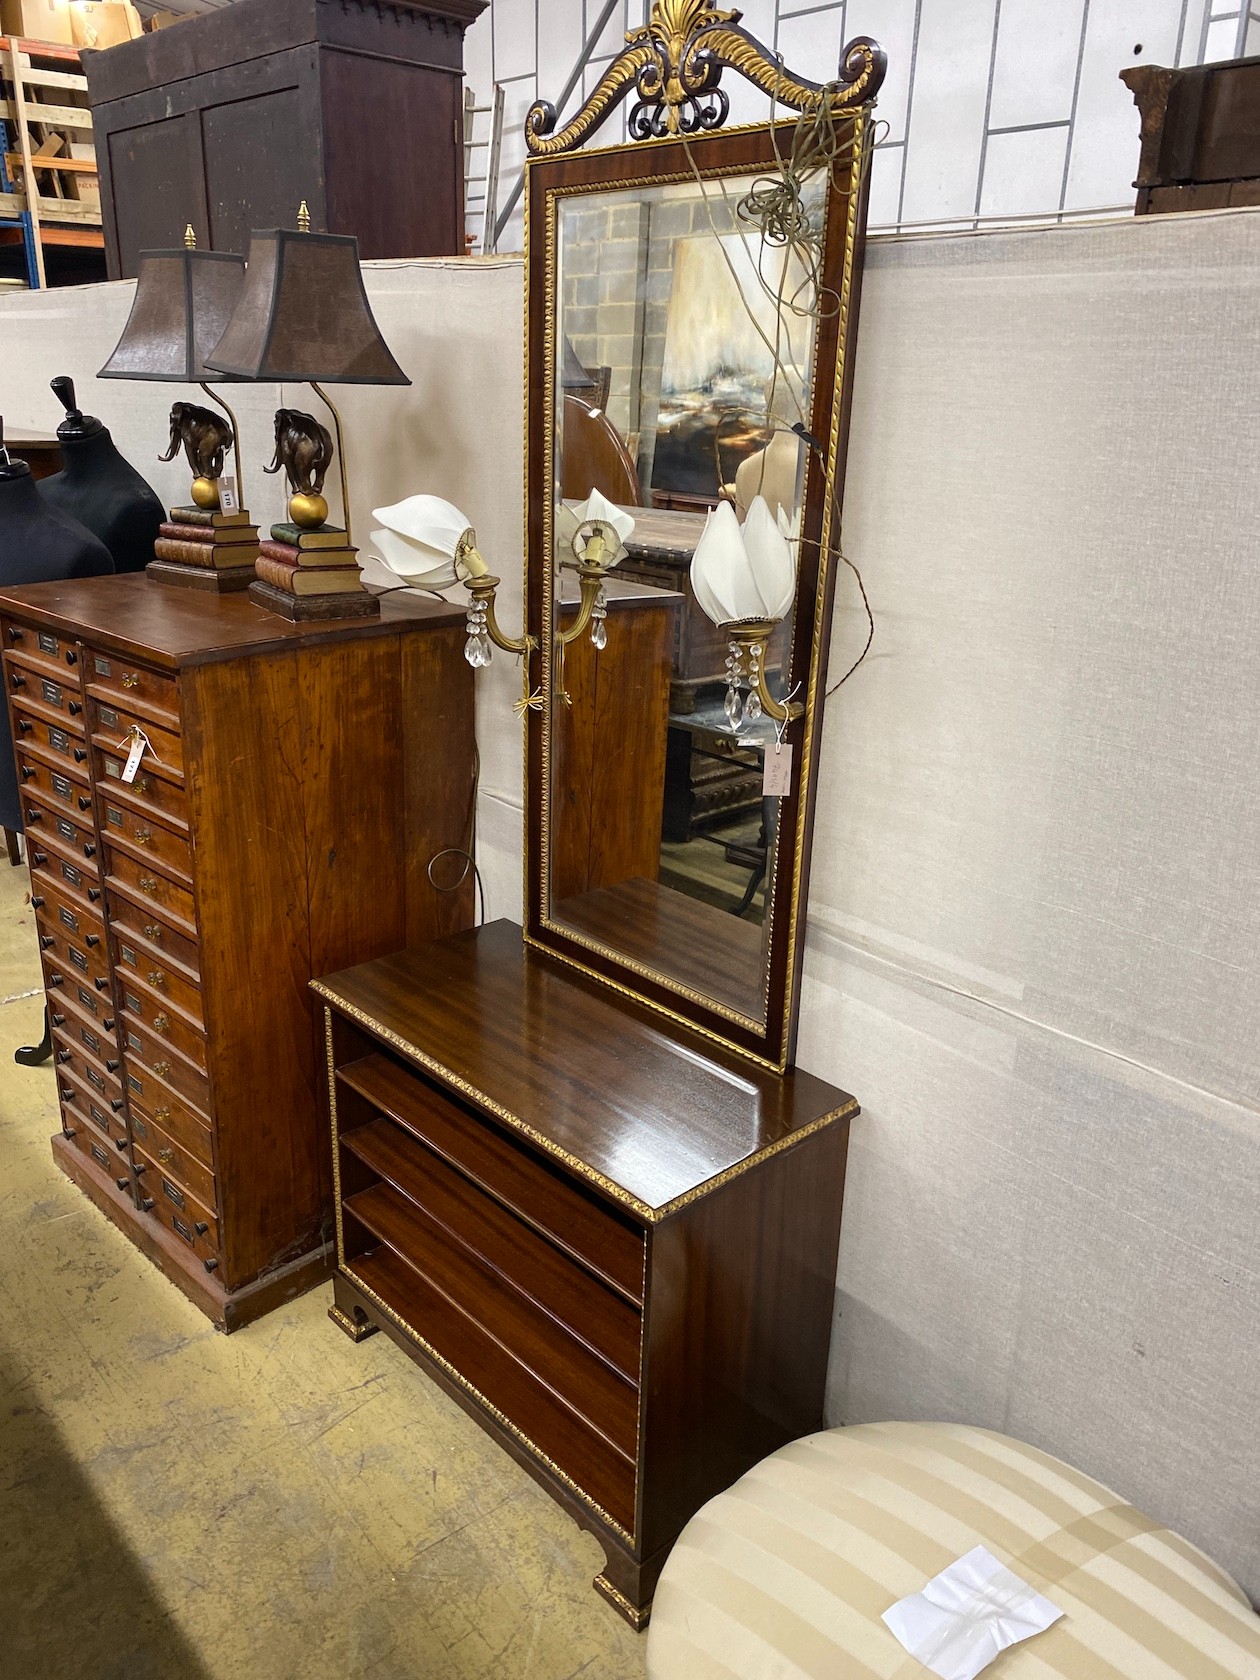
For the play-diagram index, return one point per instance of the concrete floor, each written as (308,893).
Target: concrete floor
(277,1504)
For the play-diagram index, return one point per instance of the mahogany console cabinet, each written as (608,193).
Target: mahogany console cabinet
(613,1242)
(294,782)
(230,119)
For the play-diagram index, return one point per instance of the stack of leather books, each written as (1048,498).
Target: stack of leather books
(206,549)
(307,574)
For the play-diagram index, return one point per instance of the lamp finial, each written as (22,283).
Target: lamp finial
(304,218)
(190,238)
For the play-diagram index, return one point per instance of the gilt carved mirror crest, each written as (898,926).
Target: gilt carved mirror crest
(691,305)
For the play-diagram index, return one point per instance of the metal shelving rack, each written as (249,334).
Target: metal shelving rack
(38,220)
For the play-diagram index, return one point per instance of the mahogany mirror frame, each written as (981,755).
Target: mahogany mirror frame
(648,163)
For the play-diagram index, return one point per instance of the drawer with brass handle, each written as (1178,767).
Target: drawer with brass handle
(143,837)
(113,681)
(144,941)
(159,1117)
(176,1207)
(147,1054)
(139,1006)
(145,797)
(160,986)
(151,886)
(112,729)
(177,1163)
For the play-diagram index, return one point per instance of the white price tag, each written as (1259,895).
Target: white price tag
(777,783)
(227,495)
(139,741)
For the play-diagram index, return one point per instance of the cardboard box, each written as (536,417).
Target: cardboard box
(163,20)
(86,188)
(104,23)
(38,20)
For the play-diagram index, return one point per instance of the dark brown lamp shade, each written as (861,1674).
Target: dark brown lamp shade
(303,314)
(184,300)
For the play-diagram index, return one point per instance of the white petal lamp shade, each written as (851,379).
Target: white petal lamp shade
(426,541)
(413,563)
(743,574)
(578,522)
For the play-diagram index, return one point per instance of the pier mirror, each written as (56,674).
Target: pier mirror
(691,304)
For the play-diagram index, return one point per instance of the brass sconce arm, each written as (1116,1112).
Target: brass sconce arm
(482,589)
(590,577)
(748,645)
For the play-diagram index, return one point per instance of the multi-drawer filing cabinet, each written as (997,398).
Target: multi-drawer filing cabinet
(219,804)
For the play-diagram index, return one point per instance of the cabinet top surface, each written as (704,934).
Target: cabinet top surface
(131,614)
(206,43)
(647,1109)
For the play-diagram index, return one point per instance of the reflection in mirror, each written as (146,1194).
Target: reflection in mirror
(679,375)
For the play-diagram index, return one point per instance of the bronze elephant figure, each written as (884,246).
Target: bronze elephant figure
(304,449)
(205,435)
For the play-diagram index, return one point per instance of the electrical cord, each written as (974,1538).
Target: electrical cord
(467,851)
(776,205)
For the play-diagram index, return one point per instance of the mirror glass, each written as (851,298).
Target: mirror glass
(675,380)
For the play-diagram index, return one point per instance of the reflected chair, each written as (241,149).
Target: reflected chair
(595,456)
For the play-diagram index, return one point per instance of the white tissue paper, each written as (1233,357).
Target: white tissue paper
(968,1614)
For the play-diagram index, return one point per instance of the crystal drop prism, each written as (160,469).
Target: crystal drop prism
(752,709)
(599,633)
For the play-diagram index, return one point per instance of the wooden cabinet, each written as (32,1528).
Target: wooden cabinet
(233,118)
(1200,135)
(614,1244)
(294,782)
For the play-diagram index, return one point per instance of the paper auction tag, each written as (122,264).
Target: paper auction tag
(227,495)
(777,782)
(139,741)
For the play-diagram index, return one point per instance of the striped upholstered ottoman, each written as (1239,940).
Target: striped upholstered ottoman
(786,1575)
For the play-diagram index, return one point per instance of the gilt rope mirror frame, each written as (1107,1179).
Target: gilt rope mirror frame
(680,152)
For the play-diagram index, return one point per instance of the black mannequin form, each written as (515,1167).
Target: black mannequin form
(101,489)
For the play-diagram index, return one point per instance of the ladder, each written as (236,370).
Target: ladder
(48,190)
(481,206)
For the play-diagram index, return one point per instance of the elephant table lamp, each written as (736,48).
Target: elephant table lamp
(304,315)
(183,301)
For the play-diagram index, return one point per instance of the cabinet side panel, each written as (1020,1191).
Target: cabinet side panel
(352,756)
(741,1286)
(440,755)
(243,750)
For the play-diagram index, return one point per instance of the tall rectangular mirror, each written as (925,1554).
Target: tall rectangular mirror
(691,305)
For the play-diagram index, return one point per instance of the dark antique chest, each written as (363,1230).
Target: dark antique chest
(228,121)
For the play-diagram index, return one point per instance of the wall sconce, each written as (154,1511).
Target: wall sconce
(430,544)
(744,577)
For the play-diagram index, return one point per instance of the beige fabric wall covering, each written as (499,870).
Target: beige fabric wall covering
(1032,951)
